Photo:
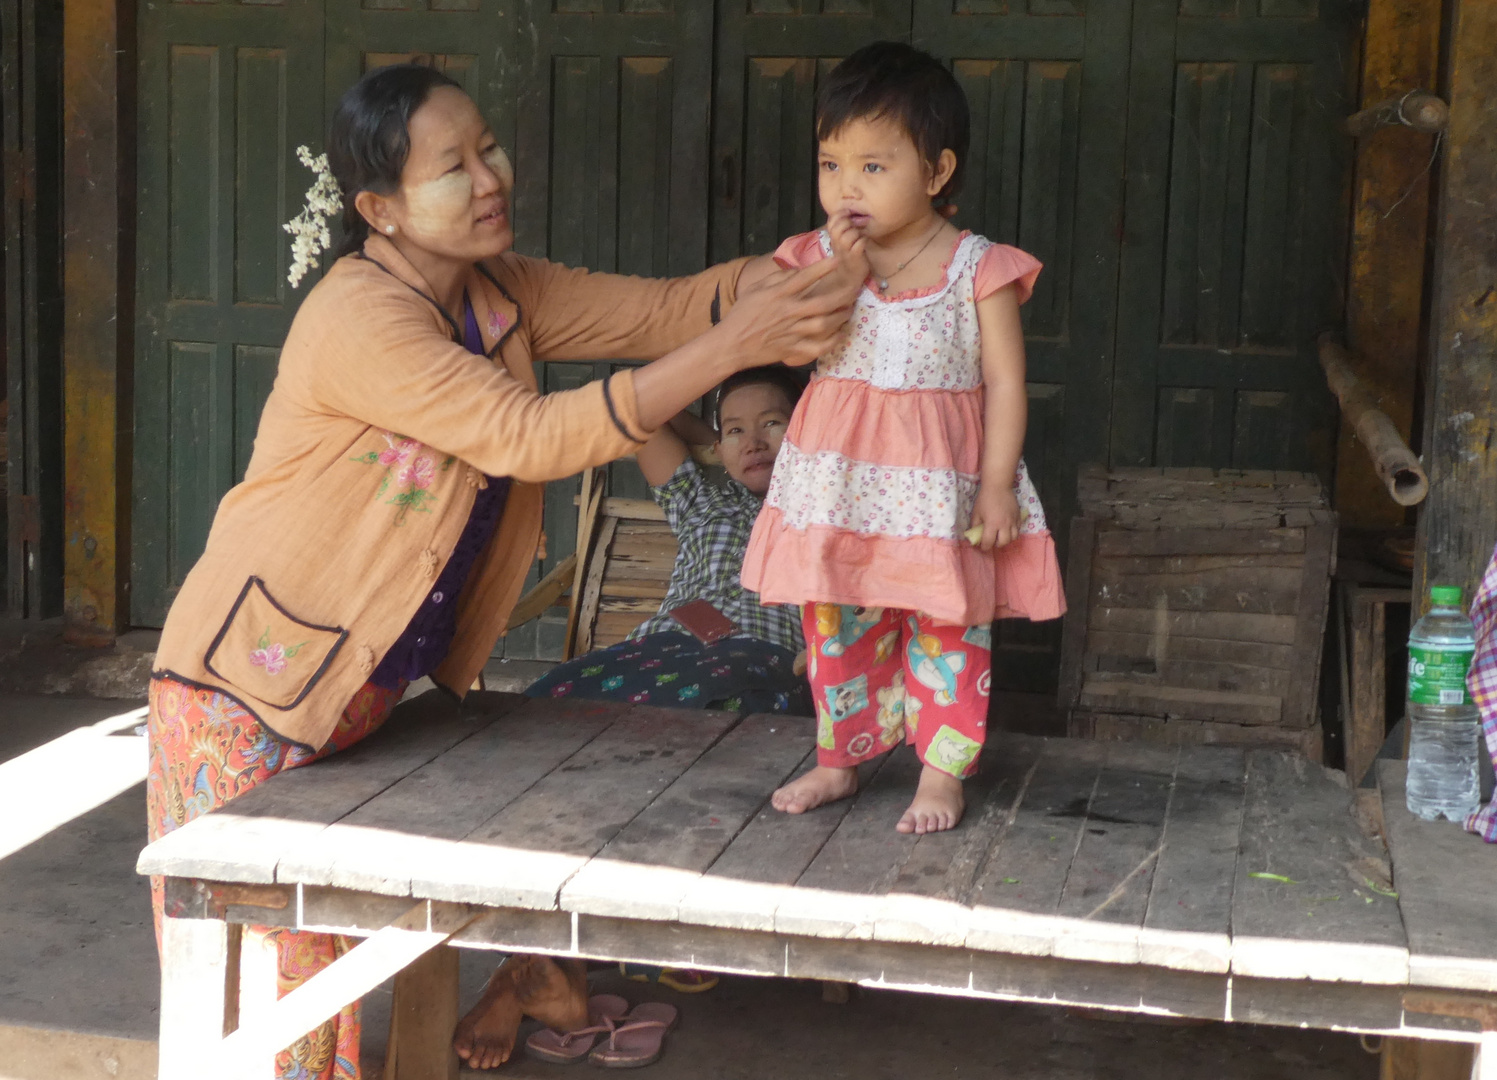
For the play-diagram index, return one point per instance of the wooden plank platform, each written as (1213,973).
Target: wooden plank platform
(1196,881)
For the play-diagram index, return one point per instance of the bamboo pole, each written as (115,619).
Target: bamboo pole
(1395,463)
(1418,109)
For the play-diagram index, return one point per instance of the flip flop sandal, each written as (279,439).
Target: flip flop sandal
(681,980)
(687,980)
(604,1011)
(639,1039)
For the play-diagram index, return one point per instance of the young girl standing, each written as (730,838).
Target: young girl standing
(900,512)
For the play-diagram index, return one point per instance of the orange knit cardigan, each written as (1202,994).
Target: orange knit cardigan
(375,438)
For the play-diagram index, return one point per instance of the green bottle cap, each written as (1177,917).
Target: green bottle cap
(1445,595)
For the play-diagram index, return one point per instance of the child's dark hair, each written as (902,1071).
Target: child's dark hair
(369,137)
(898,82)
(783,379)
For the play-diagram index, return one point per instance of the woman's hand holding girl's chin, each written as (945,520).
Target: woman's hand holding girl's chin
(790,317)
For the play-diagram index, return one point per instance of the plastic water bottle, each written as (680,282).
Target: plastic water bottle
(1444,725)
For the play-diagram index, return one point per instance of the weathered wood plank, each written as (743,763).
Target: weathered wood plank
(1200,542)
(1259,590)
(1166,565)
(395,839)
(1300,707)
(584,803)
(1148,729)
(246,840)
(422,1015)
(1446,880)
(1078,600)
(1322,921)
(1189,919)
(1026,873)
(490,769)
(199,993)
(1217,675)
(838,894)
(418,731)
(1179,647)
(1220,625)
(927,899)
(1113,869)
(690,823)
(1139,697)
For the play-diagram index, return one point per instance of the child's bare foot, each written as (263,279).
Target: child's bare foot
(938,804)
(485,1038)
(822,784)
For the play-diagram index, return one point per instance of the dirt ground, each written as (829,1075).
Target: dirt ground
(775,1029)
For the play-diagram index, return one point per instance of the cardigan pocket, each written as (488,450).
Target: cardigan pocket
(269,653)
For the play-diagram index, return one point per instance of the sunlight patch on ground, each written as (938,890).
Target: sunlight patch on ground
(69,776)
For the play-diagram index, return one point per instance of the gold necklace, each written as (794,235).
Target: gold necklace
(883,282)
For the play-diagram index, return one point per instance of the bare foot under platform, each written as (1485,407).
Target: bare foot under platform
(552,991)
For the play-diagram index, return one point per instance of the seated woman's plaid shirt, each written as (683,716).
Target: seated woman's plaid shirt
(712,527)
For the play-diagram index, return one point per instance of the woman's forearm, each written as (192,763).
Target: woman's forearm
(666,386)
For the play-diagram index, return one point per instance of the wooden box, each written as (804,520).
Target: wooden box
(1197,606)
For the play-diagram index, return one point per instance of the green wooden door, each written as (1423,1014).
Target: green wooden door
(1172,324)
(1234,249)
(227,91)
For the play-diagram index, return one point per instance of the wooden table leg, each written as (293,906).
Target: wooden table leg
(1423,1059)
(422,1018)
(1484,1067)
(199,995)
(1369,622)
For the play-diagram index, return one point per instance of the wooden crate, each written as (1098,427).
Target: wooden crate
(1197,605)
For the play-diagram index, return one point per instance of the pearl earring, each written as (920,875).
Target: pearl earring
(389,228)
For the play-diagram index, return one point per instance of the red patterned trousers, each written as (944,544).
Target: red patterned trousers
(879,675)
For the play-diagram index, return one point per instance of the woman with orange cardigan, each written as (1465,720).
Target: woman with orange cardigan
(393,502)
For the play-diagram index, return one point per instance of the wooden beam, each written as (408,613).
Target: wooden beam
(1459,520)
(1421,1059)
(98,104)
(422,1018)
(1388,252)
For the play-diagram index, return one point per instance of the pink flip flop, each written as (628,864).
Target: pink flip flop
(638,1039)
(604,1013)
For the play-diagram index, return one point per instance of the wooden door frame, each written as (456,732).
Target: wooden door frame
(29,38)
(99,323)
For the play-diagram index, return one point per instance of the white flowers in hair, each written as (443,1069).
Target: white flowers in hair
(308,229)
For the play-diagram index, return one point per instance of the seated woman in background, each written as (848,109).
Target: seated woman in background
(676,658)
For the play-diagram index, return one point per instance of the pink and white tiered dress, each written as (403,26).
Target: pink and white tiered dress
(877,477)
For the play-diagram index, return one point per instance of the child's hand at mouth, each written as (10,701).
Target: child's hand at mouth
(849,245)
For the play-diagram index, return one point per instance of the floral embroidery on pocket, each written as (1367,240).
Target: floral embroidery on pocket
(272,656)
(412,468)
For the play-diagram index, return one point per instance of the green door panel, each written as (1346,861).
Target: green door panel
(1234,245)
(226,91)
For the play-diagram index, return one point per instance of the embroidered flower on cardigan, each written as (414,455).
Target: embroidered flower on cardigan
(412,469)
(497,324)
(272,656)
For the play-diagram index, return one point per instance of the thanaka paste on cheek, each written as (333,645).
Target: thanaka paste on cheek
(442,206)
(498,160)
